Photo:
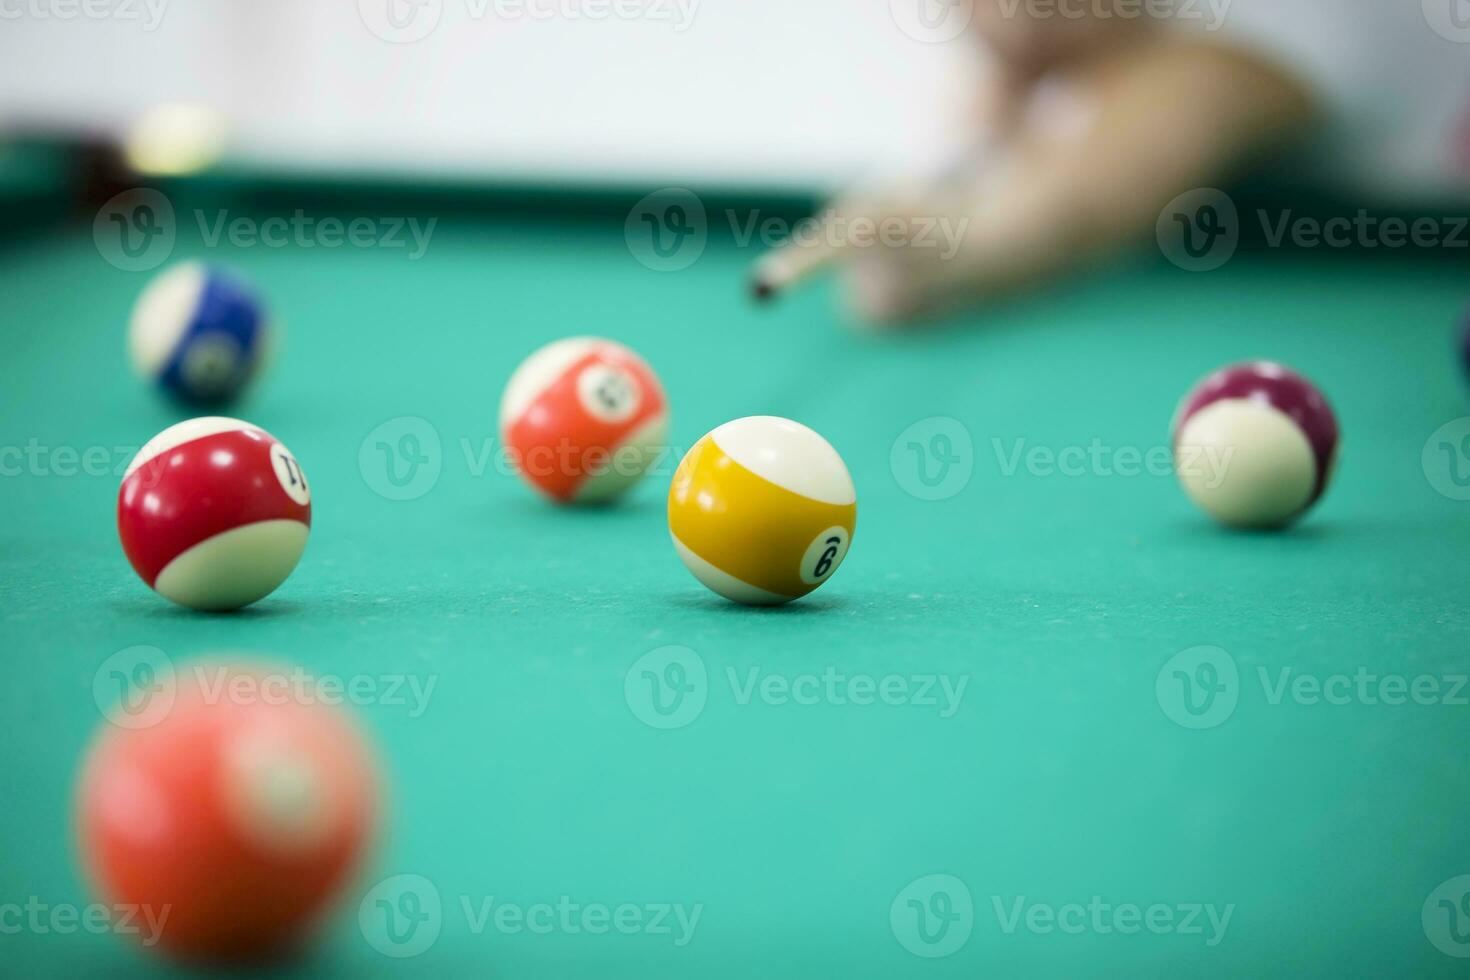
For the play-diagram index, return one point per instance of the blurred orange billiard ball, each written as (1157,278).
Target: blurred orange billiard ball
(234,818)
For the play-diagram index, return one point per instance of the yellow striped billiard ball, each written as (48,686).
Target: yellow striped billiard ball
(762,510)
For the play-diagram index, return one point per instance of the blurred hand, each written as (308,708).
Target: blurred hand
(1139,116)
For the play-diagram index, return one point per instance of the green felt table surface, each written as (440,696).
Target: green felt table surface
(1034,744)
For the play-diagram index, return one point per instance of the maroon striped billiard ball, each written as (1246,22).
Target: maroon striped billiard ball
(213,513)
(1255,445)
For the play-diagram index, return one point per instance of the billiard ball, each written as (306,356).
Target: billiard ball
(199,334)
(762,510)
(214,513)
(230,822)
(583,419)
(1255,445)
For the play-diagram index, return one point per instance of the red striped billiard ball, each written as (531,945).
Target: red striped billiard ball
(583,419)
(1255,445)
(214,513)
(230,823)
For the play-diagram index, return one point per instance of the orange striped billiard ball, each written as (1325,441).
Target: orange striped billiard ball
(583,419)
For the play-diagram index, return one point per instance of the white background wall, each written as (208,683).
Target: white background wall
(796,92)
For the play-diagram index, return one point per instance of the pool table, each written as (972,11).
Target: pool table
(1046,720)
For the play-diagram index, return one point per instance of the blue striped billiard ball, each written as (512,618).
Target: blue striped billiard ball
(199,334)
